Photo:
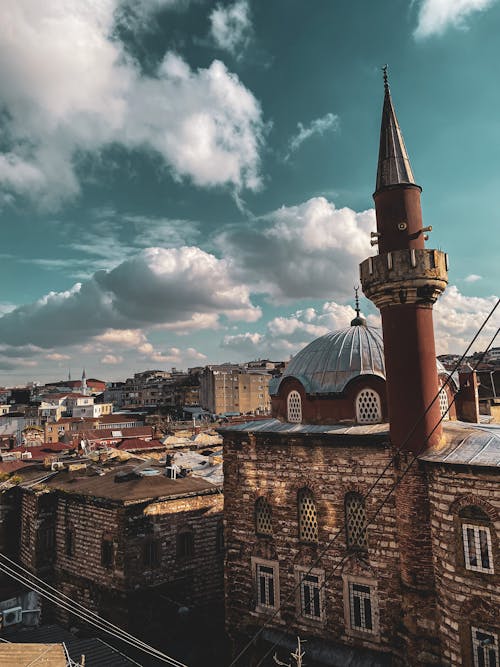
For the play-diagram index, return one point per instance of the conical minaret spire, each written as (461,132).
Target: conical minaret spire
(394,166)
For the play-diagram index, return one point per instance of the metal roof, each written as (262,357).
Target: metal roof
(393,161)
(468,444)
(328,363)
(277,426)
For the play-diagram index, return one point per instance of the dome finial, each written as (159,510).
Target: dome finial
(358,320)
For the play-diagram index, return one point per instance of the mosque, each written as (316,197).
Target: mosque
(364,516)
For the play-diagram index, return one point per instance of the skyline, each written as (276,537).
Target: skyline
(192,184)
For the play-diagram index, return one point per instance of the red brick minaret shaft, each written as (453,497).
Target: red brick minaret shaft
(404,280)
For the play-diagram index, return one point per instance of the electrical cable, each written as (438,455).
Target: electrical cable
(373,485)
(384,501)
(80,611)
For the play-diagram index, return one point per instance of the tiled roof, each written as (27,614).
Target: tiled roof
(136,443)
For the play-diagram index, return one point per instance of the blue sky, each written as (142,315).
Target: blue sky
(185,181)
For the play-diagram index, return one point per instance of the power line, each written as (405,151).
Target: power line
(384,501)
(374,484)
(80,611)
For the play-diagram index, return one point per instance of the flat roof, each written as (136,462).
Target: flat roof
(48,655)
(154,487)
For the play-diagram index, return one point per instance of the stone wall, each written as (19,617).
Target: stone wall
(465,598)
(277,467)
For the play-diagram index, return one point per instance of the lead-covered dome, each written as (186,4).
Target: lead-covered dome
(330,362)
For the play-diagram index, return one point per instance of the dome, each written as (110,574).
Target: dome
(330,362)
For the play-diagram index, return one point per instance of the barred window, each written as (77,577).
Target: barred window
(185,544)
(151,554)
(263,525)
(294,407)
(266,575)
(443,403)
(360,607)
(355,521)
(368,410)
(484,648)
(308,519)
(311,586)
(476,538)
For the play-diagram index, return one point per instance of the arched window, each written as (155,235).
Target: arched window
(263,525)
(443,403)
(368,410)
(294,407)
(308,518)
(355,521)
(476,539)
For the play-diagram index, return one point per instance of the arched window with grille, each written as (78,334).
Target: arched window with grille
(355,521)
(368,409)
(263,524)
(443,403)
(294,407)
(308,517)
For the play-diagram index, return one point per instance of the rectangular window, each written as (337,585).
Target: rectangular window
(70,542)
(477,548)
(360,605)
(107,553)
(151,553)
(266,586)
(484,648)
(311,595)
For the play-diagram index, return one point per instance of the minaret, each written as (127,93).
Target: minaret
(404,281)
(84,383)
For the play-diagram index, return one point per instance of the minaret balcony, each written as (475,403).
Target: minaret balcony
(412,276)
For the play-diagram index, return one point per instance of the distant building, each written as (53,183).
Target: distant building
(229,389)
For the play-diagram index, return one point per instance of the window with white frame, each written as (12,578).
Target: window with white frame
(263,524)
(477,548)
(368,409)
(355,521)
(484,648)
(294,407)
(443,403)
(308,517)
(476,539)
(267,584)
(311,590)
(361,607)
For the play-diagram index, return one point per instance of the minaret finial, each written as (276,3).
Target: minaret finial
(386,80)
(358,320)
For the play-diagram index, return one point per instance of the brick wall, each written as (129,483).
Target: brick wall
(277,467)
(464,597)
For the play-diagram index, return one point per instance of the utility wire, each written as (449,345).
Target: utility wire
(384,501)
(373,485)
(78,610)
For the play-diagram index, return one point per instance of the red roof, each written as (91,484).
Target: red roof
(141,432)
(12,466)
(131,444)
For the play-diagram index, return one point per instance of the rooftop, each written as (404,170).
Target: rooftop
(465,444)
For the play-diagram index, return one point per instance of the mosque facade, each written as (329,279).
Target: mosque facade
(364,516)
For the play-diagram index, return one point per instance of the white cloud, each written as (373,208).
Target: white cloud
(435,16)
(69,88)
(457,319)
(111,359)
(328,122)
(154,287)
(472,278)
(57,356)
(231,27)
(307,251)
(286,335)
